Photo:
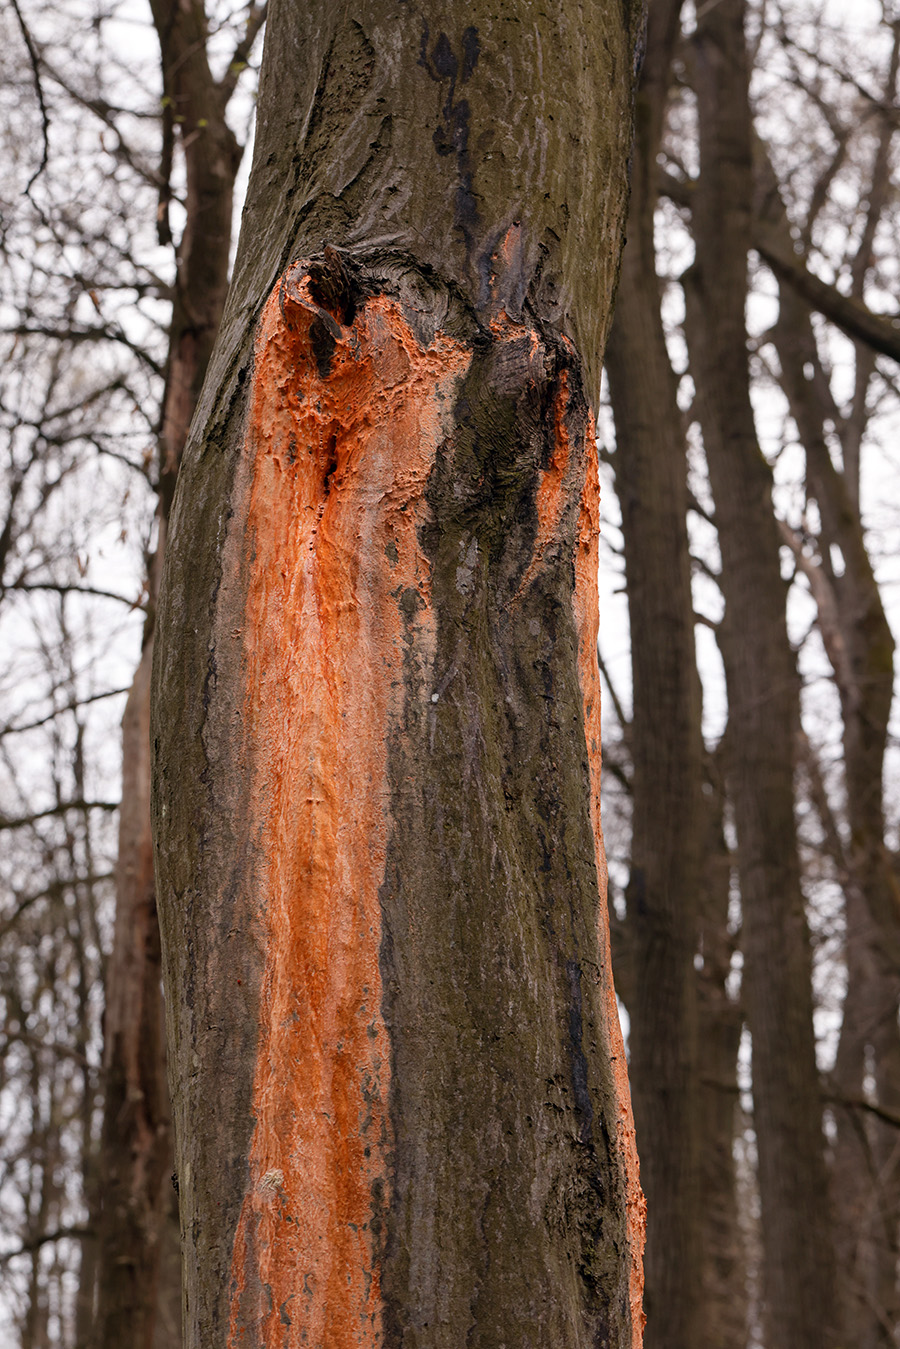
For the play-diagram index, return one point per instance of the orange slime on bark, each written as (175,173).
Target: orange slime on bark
(587,618)
(344,425)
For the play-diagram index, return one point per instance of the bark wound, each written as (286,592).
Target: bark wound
(411,515)
(587,618)
(340,443)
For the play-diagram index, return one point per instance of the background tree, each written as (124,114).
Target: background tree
(109,250)
(668,832)
(781,209)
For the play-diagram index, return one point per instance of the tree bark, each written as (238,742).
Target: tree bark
(401,1105)
(666,741)
(763,712)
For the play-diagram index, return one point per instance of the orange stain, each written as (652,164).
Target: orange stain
(339,452)
(587,619)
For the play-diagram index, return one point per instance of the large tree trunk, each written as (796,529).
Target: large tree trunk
(136,1159)
(401,1106)
(666,743)
(763,713)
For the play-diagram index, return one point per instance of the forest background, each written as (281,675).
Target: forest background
(749,433)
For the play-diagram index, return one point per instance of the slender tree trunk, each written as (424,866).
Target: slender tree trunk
(763,713)
(401,1105)
(860,647)
(134,1217)
(668,820)
(725,1318)
(135,1143)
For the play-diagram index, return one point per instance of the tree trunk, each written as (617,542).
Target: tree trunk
(401,1106)
(668,821)
(135,1146)
(763,713)
(136,1158)
(725,1315)
(860,647)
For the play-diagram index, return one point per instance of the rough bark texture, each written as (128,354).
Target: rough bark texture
(401,1104)
(133,1215)
(666,743)
(763,713)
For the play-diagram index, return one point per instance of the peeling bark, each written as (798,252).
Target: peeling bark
(377,713)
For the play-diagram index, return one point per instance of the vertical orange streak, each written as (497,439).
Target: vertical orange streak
(587,619)
(340,453)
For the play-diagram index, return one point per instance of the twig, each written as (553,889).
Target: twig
(45,119)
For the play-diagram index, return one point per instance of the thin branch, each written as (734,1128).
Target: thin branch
(617,705)
(104,111)
(11,729)
(8,822)
(31,586)
(860,1103)
(38,87)
(53,891)
(35,1243)
(75,334)
(255,20)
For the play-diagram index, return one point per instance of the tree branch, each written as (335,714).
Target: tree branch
(8,822)
(11,729)
(45,119)
(30,586)
(255,20)
(880,332)
(35,1243)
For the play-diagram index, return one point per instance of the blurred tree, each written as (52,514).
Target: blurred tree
(668,827)
(136,1157)
(783,209)
(107,249)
